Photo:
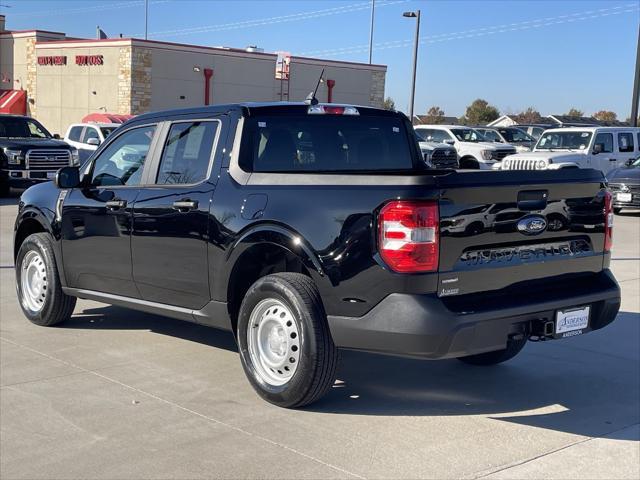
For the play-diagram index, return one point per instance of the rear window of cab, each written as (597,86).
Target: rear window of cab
(302,143)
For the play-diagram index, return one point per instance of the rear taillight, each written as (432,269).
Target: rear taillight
(608,221)
(408,236)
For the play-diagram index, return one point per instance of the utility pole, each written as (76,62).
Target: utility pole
(373,10)
(146,18)
(635,98)
(415,15)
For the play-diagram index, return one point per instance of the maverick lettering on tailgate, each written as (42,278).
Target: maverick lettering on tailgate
(525,253)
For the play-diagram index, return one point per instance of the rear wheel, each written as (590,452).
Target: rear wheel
(5,190)
(285,344)
(493,358)
(41,297)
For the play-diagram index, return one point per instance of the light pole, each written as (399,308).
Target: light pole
(373,10)
(635,98)
(415,15)
(146,18)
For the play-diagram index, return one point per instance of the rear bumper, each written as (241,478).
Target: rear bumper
(424,326)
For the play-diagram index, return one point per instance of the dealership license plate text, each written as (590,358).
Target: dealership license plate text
(573,321)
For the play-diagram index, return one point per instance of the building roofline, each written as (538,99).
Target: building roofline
(33,31)
(368,66)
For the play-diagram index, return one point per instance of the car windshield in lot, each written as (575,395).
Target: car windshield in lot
(17,127)
(564,140)
(515,135)
(325,143)
(468,135)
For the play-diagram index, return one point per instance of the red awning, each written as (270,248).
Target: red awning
(106,118)
(13,101)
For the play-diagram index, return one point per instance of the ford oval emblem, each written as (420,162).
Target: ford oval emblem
(532,225)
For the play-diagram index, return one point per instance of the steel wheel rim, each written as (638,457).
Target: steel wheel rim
(33,281)
(273,342)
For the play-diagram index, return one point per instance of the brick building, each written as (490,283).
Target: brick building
(59,79)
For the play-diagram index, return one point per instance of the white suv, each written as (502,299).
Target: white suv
(86,137)
(602,148)
(473,149)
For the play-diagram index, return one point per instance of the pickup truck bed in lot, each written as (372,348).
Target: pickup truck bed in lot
(309,228)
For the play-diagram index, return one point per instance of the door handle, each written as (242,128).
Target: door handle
(185,205)
(612,159)
(116,204)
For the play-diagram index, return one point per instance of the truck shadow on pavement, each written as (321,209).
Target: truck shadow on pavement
(573,389)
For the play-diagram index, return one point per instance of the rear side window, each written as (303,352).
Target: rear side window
(606,140)
(625,142)
(187,153)
(74,134)
(325,143)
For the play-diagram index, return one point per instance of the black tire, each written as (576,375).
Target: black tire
(617,210)
(318,356)
(56,306)
(5,189)
(471,163)
(493,358)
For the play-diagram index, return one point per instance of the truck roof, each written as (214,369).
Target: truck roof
(590,129)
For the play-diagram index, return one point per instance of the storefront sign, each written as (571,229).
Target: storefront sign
(53,60)
(89,60)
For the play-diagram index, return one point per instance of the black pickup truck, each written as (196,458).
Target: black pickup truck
(304,229)
(29,153)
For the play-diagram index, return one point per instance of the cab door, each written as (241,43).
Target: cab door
(626,147)
(171,216)
(96,218)
(605,160)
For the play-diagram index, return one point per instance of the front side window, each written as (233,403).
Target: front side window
(605,140)
(564,140)
(187,153)
(90,132)
(431,135)
(122,161)
(625,142)
(325,143)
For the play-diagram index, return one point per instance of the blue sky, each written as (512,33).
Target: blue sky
(552,55)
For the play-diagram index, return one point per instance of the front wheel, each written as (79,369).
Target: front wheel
(514,347)
(285,344)
(39,291)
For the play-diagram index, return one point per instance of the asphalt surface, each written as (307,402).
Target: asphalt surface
(120,394)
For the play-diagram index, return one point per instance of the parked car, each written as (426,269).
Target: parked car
(87,137)
(602,148)
(439,155)
(624,183)
(522,141)
(305,229)
(474,151)
(29,153)
(534,129)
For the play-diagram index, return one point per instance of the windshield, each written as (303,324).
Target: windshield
(106,131)
(18,127)
(325,143)
(564,141)
(468,135)
(515,135)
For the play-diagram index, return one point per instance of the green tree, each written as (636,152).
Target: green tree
(480,113)
(605,116)
(389,104)
(434,116)
(530,115)
(574,112)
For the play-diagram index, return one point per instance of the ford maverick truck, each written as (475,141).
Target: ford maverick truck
(308,228)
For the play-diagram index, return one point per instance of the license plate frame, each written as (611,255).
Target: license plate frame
(51,175)
(624,197)
(572,321)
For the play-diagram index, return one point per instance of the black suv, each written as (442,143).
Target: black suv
(29,153)
(305,229)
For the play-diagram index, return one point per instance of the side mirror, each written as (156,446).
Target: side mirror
(93,141)
(56,136)
(450,141)
(68,177)
(598,148)
(629,162)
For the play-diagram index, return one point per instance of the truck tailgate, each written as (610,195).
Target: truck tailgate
(498,229)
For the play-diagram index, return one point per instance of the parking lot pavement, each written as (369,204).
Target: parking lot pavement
(120,394)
